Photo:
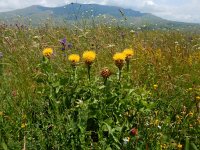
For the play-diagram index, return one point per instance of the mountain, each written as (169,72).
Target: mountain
(75,11)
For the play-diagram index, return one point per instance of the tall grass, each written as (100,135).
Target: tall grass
(155,105)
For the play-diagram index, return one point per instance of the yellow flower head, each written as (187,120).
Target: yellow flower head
(89,57)
(1,113)
(74,58)
(163,146)
(190,114)
(156,123)
(47,52)
(23,125)
(179,146)
(128,52)
(198,98)
(119,59)
(155,86)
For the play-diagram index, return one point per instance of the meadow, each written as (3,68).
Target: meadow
(124,89)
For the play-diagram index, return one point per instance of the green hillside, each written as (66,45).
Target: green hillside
(75,11)
(37,15)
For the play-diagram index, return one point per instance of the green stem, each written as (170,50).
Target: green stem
(89,67)
(127,65)
(105,81)
(74,72)
(119,75)
(75,75)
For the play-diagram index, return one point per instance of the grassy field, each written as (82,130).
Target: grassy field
(48,102)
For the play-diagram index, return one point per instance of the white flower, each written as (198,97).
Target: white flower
(126,140)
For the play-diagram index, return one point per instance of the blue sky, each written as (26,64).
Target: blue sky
(178,10)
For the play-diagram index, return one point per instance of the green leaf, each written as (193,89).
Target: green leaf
(4,145)
(58,89)
(130,91)
(108,148)
(117,147)
(102,87)
(194,146)
(108,127)
(187,145)
(56,84)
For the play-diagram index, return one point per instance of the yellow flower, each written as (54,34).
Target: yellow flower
(119,59)
(24,116)
(74,58)
(155,86)
(179,146)
(190,114)
(89,57)
(23,125)
(163,146)
(156,123)
(1,113)
(128,52)
(47,52)
(198,98)
(190,89)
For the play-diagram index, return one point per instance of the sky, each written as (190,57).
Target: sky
(177,10)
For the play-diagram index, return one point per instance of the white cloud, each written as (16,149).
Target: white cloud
(187,12)
(179,10)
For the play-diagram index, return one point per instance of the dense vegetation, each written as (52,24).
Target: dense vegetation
(50,102)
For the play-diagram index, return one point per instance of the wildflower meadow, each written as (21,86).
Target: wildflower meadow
(102,88)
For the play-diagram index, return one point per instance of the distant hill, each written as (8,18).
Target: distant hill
(74,11)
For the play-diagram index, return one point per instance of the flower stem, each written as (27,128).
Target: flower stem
(105,81)
(127,65)
(74,72)
(89,67)
(75,76)
(119,74)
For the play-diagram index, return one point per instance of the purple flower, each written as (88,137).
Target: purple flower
(63,41)
(65,44)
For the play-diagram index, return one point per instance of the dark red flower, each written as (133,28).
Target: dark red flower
(134,131)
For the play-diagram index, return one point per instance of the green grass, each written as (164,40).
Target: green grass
(44,106)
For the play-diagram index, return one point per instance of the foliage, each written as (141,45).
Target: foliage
(51,103)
